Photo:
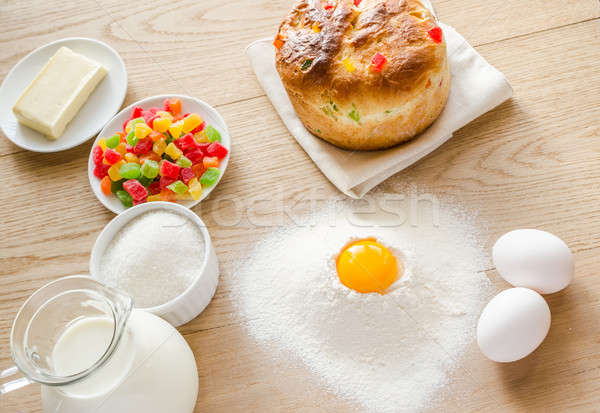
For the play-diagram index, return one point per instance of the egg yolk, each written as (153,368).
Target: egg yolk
(367,266)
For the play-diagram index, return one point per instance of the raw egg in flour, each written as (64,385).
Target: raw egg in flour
(366,266)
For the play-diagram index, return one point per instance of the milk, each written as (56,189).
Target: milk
(152,370)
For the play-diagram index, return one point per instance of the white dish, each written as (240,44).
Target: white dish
(102,104)
(198,295)
(188,104)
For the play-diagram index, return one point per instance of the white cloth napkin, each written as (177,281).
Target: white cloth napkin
(476,87)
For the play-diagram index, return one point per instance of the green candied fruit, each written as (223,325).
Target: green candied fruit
(183,162)
(113,141)
(354,114)
(178,187)
(145,181)
(130,170)
(149,169)
(212,134)
(130,138)
(116,186)
(210,176)
(125,198)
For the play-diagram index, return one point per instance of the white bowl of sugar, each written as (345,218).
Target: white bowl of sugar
(161,254)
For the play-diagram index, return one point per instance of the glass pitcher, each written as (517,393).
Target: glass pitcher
(47,315)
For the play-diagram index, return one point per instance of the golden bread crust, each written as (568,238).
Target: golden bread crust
(325,57)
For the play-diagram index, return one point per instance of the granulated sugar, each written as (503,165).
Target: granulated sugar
(154,258)
(385,353)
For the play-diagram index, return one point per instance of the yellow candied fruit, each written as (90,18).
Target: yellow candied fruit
(175,129)
(105,162)
(153,198)
(348,64)
(159,147)
(191,122)
(173,151)
(315,27)
(165,115)
(201,137)
(121,148)
(161,124)
(183,197)
(195,188)
(142,130)
(131,158)
(113,171)
(102,143)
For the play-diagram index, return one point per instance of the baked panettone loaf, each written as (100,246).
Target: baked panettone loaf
(363,75)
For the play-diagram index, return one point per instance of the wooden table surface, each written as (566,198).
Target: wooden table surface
(532,162)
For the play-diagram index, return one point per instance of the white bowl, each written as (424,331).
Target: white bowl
(188,104)
(187,305)
(102,104)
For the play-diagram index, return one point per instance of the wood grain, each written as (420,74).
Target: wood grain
(532,162)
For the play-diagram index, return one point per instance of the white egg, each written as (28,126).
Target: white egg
(513,324)
(534,259)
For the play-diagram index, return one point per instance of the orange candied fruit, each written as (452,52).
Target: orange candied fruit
(278,42)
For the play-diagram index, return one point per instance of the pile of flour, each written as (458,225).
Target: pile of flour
(385,353)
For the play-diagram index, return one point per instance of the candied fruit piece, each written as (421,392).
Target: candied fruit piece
(112,156)
(173,151)
(130,170)
(105,185)
(186,174)
(178,187)
(210,177)
(100,171)
(210,161)
(143,146)
(190,122)
(169,169)
(137,191)
(97,155)
(216,149)
(149,169)
(125,198)
(435,34)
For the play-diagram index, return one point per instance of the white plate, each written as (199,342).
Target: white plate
(102,104)
(188,104)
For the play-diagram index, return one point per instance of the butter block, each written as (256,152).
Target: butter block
(58,91)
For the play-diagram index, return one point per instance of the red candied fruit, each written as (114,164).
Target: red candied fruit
(218,150)
(112,156)
(128,148)
(199,128)
(435,34)
(154,187)
(195,156)
(143,146)
(147,115)
(97,155)
(152,119)
(100,171)
(357,2)
(186,174)
(136,112)
(185,142)
(165,181)
(142,201)
(329,5)
(377,62)
(169,169)
(137,191)
(204,147)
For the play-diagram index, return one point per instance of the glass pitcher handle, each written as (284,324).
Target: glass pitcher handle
(15,383)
